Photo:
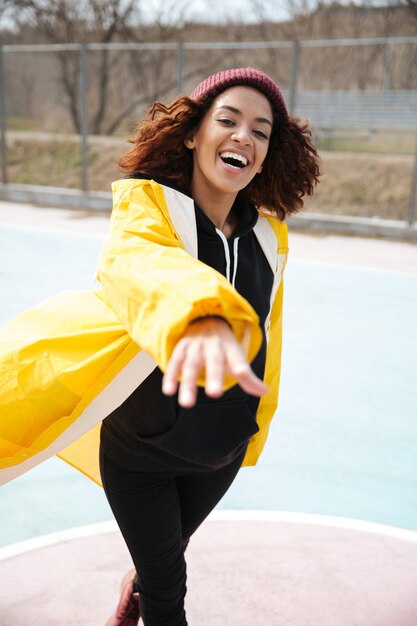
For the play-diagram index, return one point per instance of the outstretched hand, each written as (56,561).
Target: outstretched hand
(208,345)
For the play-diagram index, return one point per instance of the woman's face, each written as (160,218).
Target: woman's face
(231,144)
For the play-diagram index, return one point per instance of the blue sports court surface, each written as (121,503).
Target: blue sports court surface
(344,441)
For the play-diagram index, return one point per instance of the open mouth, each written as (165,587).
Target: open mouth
(237,161)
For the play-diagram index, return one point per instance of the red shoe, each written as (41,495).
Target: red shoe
(127,612)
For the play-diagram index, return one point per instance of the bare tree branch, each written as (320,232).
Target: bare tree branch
(68,21)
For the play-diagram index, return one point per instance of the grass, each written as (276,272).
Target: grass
(21,123)
(58,163)
(367,141)
(364,185)
(354,183)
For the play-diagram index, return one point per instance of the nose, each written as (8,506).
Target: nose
(242,135)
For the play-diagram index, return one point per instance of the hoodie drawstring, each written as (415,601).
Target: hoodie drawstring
(227,255)
(235,257)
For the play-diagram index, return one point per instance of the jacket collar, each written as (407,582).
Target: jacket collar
(245,212)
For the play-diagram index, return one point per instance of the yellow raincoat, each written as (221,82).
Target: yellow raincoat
(69,362)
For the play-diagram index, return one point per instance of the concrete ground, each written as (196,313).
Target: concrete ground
(242,572)
(374,253)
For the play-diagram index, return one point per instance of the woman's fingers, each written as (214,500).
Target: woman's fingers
(191,368)
(174,369)
(238,367)
(248,380)
(209,345)
(215,364)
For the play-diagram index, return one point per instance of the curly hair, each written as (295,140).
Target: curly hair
(291,168)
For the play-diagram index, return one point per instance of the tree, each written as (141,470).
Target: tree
(112,74)
(412,8)
(67,22)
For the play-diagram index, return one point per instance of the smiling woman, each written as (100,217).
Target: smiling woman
(179,351)
(290,171)
(232,148)
(229,149)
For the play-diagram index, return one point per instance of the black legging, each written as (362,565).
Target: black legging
(157,513)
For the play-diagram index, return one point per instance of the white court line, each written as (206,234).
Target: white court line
(79,231)
(73,232)
(346,266)
(329,521)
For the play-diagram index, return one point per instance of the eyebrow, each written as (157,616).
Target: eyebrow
(234,110)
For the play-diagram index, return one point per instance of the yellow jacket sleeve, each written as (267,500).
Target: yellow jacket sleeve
(154,286)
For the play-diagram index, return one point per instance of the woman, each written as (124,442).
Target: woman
(179,351)
(168,458)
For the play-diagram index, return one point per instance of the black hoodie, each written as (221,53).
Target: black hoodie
(151,431)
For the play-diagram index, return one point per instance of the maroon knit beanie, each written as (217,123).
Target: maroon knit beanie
(212,86)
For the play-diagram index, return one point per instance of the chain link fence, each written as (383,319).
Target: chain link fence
(66,111)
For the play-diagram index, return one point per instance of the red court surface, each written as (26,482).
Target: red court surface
(240,573)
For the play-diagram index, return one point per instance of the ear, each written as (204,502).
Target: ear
(260,169)
(189,143)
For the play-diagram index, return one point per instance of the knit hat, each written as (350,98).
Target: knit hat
(212,86)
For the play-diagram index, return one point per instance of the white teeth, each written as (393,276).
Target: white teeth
(236,157)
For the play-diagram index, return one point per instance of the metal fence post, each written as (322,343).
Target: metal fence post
(180,67)
(84,115)
(293,77)
(3,121)
(413,193)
